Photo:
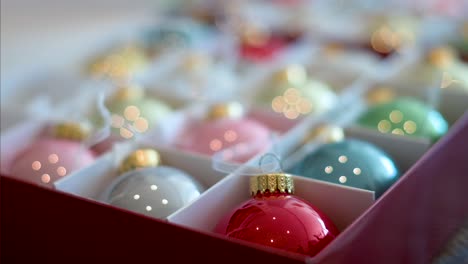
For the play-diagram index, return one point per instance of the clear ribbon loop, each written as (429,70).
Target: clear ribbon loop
(270,162)
(225,160)
(102,133)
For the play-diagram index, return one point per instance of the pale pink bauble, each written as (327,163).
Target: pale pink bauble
(47,160)
(274,121)
(244,137)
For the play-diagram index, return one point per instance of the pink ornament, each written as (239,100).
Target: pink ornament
(275,121)
(243,137)
(48,160)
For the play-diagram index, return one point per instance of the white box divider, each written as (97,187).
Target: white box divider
(91,182)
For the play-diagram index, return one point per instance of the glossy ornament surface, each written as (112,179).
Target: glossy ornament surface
(224,129)
(262,52)
(150,189)
(405,116)
(292,93)
(352,163)
(129,107)
(279,219)
(48,160)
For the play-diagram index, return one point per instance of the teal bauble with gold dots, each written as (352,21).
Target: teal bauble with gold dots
(351,163)
(405,116)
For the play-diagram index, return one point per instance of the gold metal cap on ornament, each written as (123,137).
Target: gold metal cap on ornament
(254,35)
(71,130)
(328,133)
(333,49)
(120,63)
(380,94)
(141,158)
(442,57)
(225,110)
(273,182)
(294,74)
(128,93)
(195,62)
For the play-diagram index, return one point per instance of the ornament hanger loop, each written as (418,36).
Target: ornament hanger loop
(270,162)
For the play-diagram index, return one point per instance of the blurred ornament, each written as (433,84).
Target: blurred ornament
(47,160)
(201,76)
(405,116)
(380,94)
(461,44)
(175,35)
(149,188)
(163,39)
(259,45)
(327,133)
(291,93)
(209,14)
(119,64)
(391,34)
(276,218)
(224,127)
(352,163)
(445,60)
(132,111)
(195,62)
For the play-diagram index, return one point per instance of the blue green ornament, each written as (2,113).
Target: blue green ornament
(352,163)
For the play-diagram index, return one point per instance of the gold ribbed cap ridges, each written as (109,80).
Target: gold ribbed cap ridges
(333,48)
(380,94)
(119,64)
(294,74)
(225,110)
(195,62)
(71,131)
(328,133)
(141,158)
(442,57)
(272,183)
(129,92)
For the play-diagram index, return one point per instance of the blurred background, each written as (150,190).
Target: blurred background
(45,43)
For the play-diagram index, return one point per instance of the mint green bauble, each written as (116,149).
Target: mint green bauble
(405,116)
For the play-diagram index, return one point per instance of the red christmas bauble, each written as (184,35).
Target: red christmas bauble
(264,52)
(279,220)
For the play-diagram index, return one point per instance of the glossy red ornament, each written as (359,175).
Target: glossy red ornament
(264,52)
(280,220)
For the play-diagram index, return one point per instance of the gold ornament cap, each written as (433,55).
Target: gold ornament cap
(128,93)
(442,57)
(380,94)
(294,74)
(141,158)
(72,131)
(328,132)
(333,49)
(195,62)
(272,183)
(231,110)
(254,35)
(120,63)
